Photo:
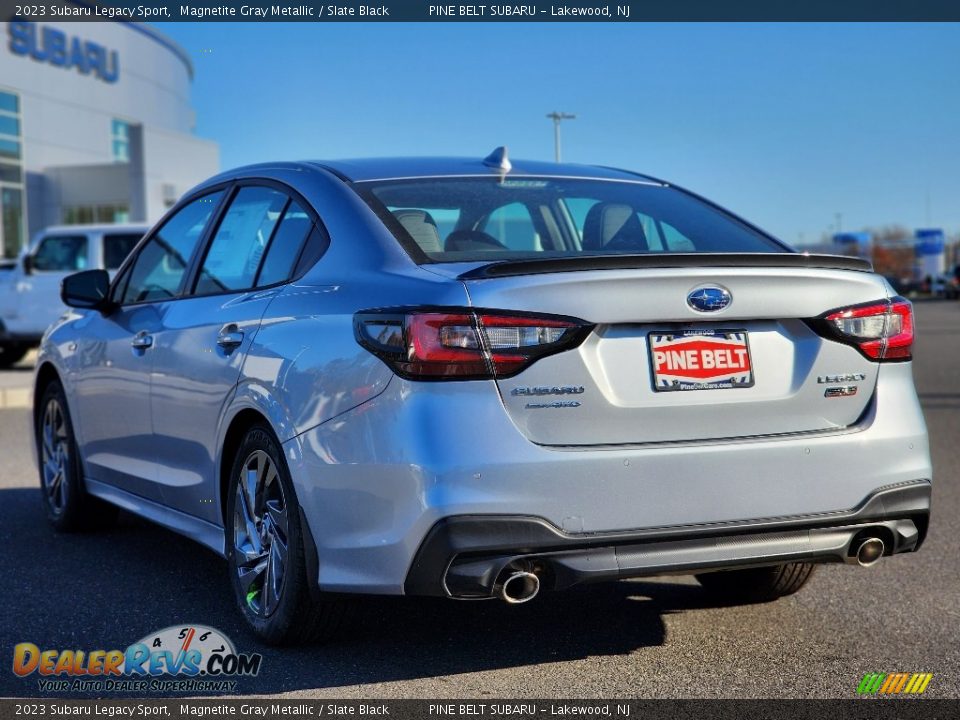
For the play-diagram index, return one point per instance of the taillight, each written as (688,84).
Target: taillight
(464,344)
(882,331)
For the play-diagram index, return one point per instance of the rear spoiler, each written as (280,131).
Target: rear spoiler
(534,266)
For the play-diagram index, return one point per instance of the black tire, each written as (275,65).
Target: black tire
(11,354)
(280,612)
(756,585)
(69,506)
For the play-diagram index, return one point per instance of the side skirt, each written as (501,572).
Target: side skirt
(201,531)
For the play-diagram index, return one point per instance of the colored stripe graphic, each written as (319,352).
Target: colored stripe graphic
(894,683)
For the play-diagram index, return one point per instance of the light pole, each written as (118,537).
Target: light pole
(557,117)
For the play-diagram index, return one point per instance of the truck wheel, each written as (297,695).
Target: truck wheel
(756,585)
(11,354)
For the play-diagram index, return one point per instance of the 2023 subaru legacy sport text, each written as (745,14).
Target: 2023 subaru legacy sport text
(468,379)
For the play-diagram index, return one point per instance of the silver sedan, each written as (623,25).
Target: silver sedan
(478,378)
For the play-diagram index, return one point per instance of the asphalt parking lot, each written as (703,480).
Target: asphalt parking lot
(651,638)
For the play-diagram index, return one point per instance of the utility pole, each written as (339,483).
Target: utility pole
(839,217)
(557,117)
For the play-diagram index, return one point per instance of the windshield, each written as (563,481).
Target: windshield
(483,219)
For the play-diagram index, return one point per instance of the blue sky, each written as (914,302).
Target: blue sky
(785,124)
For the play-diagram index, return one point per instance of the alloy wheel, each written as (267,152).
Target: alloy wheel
(55,455)
(260,531)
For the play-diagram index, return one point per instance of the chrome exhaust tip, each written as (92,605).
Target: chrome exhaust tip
(519,588)
(869,552)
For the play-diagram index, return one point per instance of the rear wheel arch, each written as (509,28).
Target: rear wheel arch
(232,440)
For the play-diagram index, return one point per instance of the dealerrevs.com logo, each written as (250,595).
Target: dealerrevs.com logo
(180,658)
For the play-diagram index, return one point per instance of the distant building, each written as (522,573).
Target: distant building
(852,243)
(95,126)
(931,252)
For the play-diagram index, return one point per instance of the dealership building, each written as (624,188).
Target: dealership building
(95,126)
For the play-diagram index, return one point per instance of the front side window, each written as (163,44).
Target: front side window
(61,253)
(239,244)
(116,247)
(547,217)
(158,271)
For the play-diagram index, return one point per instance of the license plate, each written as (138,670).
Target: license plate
(700,360)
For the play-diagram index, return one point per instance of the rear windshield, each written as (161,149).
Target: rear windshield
(470,219)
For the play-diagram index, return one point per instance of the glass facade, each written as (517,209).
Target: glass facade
(120,141)
(12,234)
(86,214)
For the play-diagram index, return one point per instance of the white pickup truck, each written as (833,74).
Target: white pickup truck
(30,286)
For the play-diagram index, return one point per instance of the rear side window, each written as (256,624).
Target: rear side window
(158,270)
(281,257)
(241,240)
(116,247)
(61,253)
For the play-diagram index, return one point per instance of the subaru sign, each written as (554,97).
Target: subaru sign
(49,45)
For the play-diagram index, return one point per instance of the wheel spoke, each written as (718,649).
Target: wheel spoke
(248,575)
(249,519)
(47,439)
(251,476)
(250,551)
(271,583)
(58,492)
(278,517)
(53,486)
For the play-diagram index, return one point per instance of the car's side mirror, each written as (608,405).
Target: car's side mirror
(88,290)
(28,264)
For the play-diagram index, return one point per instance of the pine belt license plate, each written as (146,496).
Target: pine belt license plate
(700,360)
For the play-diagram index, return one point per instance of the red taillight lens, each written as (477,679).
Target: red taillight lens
(881,331)
(464,344)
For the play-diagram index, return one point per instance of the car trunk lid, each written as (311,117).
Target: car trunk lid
(783,376)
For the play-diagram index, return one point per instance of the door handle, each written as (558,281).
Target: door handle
(141,341)
(230,336)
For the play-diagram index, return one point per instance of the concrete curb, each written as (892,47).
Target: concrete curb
(15,398)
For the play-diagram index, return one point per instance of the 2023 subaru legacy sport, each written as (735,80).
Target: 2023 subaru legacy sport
(477,379)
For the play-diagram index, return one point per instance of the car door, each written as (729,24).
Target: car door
(115,356)
(204,338)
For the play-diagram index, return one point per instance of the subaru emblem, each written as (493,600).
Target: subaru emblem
(709,298)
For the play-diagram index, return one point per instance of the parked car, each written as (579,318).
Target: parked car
(951,283)
(30,287)
(479,379)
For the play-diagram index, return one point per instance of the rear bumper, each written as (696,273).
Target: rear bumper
(375,481)
(463,557)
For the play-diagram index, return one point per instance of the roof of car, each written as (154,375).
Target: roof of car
(366,169)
